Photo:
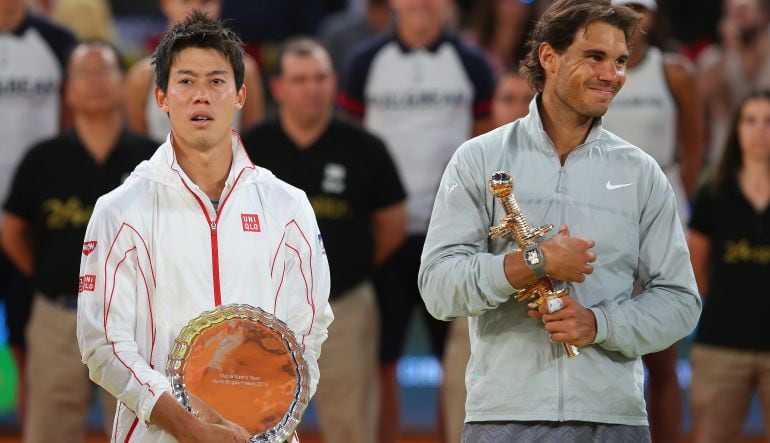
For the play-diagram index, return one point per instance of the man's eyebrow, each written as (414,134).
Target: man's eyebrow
(588,52)
(594,52)
(191,72)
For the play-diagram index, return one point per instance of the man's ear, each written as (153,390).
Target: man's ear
(548,57)
(160,99)
(240,98)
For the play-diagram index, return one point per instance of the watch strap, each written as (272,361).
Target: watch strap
(535,260)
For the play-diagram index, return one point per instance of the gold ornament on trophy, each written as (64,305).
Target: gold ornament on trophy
(515,226)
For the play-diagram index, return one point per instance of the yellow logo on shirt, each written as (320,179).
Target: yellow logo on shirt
(330,207)
(743,251)
(70,212)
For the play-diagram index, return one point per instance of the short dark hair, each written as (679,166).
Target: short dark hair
(198,31)
(560,23)
(302,46)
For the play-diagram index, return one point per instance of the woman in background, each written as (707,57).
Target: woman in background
(729,242)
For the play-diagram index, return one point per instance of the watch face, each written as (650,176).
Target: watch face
(533,258)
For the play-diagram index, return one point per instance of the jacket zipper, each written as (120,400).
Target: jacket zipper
(214,238)
(215,261)
(214,243)
(560,190)
(559,347)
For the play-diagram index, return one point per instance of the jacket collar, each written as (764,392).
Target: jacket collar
(533,124)
(167,170)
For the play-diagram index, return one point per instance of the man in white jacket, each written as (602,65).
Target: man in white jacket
(195,227)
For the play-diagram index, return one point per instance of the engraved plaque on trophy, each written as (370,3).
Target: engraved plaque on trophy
(515,226)
(247,366)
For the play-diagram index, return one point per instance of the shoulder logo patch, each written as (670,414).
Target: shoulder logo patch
(88,247)
(250,223)
(87,283)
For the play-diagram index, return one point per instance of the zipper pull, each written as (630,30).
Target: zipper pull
(213,226)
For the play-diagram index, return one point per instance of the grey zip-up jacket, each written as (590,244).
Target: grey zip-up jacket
(608,190)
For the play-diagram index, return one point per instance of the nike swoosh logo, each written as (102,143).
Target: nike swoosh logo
(610,186)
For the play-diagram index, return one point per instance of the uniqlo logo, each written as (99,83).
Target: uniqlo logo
(88,247)
(250,223)
(87,283)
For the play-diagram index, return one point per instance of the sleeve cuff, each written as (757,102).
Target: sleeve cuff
(497,278)
(147,402)
(602,325)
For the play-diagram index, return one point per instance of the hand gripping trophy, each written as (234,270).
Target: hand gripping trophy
(515,226)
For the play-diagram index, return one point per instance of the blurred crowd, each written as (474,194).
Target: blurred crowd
(361,104)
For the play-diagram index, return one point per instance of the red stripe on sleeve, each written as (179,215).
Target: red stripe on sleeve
(308,289)
(280,285)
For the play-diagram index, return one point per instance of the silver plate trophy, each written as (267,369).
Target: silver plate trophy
(244,364)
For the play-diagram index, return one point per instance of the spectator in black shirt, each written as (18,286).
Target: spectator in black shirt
(32,56)
(729,242)
(46,213)
(358,200)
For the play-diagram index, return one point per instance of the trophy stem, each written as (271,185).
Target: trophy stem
(522,232)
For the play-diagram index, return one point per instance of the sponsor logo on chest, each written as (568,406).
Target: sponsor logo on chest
(334,178)
(250,223)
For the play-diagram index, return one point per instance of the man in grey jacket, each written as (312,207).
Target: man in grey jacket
(618,222)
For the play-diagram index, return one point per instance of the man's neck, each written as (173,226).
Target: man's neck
(206,168)
(416,39)
(9,22)
(99,133)
(304,133)
(566,129)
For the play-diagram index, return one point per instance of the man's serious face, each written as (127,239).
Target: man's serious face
(201,98)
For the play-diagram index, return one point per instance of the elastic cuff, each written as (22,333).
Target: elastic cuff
(497,278)
(602,325)
(148,401)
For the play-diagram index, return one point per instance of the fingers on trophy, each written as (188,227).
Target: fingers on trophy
(515,227)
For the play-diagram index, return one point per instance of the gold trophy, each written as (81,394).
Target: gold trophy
(515,226)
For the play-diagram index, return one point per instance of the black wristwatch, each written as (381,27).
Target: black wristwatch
(535,260)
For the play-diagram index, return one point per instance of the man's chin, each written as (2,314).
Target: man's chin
(598,110)
(202,143)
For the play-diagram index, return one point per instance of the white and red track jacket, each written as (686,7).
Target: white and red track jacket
(157,254)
